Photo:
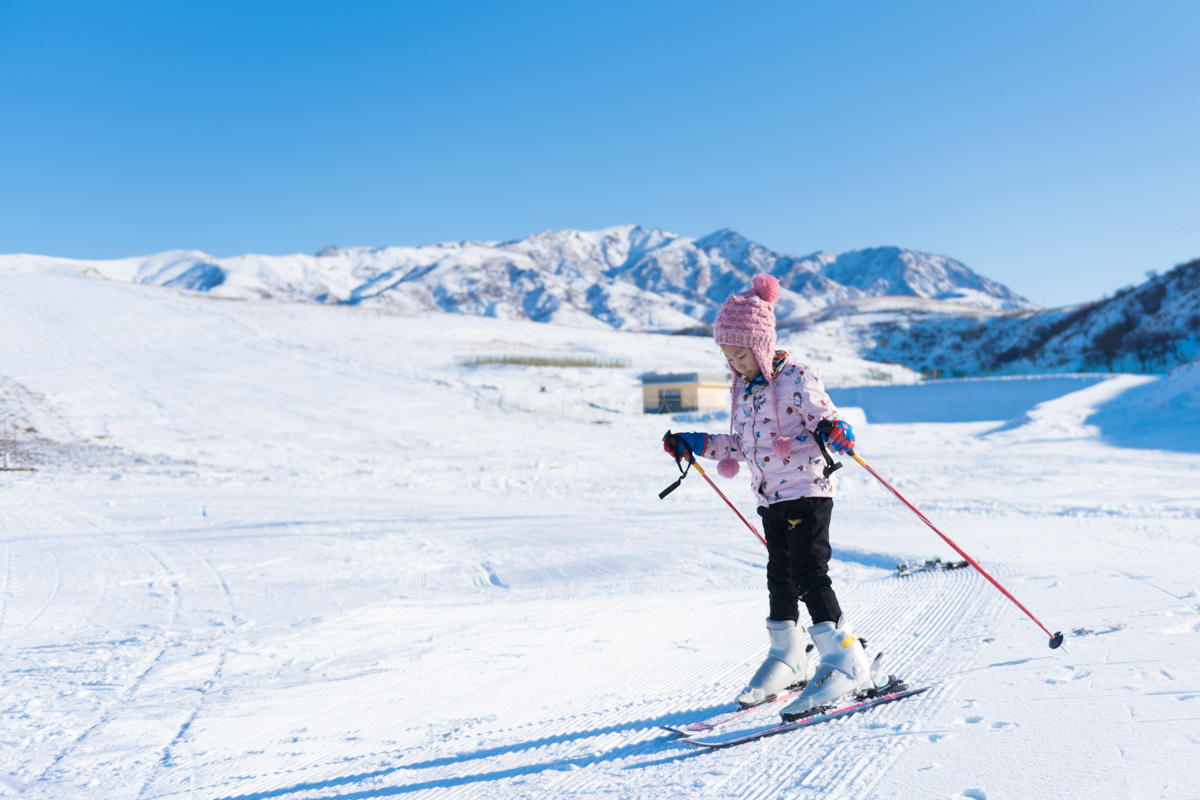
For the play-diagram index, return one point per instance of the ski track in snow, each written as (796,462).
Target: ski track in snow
(320,561)
(150,696)
(619,729)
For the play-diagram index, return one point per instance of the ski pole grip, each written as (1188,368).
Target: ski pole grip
(679,445)
(831,466)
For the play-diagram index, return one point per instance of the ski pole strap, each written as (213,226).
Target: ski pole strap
(674,485)
(683,473)
(824,427)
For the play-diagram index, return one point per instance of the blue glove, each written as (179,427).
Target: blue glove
(841,437)
(677,444)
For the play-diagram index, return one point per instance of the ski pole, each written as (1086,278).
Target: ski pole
(683,474)
(704,475)
(1056,639)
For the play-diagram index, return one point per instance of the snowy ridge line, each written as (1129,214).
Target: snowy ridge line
(624,277)
(1151,327)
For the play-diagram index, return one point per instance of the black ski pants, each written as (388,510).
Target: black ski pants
(797,533)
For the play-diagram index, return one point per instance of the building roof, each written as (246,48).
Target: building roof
(649,378)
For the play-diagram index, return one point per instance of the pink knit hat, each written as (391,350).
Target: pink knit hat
(748,320)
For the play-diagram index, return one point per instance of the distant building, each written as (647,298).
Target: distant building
(668,392)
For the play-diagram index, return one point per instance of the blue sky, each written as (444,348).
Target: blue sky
(1052,146)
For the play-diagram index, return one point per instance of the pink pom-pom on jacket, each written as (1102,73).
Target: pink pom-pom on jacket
(728,467)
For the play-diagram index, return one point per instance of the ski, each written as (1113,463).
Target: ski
(819,717)
(905,570)
(737,715)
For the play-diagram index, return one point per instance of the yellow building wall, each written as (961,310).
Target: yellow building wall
(699,396)
(713,397)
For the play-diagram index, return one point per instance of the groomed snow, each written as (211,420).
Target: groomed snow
(292,551)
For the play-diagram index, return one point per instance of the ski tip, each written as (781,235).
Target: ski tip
(1056,641)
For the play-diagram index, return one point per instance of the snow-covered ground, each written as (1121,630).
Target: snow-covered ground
(291,551)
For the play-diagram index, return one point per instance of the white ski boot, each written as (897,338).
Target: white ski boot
(787,664)
(844,668)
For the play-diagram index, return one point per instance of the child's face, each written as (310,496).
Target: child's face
(743,360)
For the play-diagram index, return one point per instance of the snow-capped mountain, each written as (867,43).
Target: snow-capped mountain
(1151,327)
(893,271)
(624,277)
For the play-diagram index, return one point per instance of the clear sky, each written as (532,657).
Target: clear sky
(1052,146)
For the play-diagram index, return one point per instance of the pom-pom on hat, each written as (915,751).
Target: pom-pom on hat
(747,319)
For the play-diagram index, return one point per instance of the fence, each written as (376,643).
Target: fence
(544,361)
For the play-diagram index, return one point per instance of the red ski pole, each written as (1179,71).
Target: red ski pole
(704,475)
(687,451)
(1056,639)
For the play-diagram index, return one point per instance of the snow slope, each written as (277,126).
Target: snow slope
(292,551)
(625,277)
(1160,414)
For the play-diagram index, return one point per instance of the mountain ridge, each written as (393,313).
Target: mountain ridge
(1151,327)
(626,277)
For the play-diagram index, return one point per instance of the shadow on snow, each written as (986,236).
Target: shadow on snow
(1163,415)
(614,754)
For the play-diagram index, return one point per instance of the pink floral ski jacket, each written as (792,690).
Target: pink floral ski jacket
(802,404)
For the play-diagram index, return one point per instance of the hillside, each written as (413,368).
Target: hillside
(289,550)
(627,277)
(887,304)
(1148,328)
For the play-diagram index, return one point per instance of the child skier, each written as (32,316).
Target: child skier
(776,407)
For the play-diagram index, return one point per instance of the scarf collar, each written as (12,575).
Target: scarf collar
(755,384)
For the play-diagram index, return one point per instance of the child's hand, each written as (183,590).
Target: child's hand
(841,437)
(675,444)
